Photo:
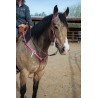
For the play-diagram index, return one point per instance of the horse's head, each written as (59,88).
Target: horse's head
(59,28)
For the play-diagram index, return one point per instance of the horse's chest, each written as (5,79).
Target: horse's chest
(38,66)
(26,60)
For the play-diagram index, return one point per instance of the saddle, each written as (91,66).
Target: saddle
(21,30)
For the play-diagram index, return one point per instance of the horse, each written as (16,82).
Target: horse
(32,55)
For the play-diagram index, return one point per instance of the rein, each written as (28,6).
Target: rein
(46,53)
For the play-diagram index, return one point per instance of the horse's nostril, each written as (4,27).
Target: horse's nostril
(63,49)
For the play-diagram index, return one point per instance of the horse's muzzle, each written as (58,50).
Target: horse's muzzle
(62,51)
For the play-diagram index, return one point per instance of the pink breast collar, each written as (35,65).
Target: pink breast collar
(33,52)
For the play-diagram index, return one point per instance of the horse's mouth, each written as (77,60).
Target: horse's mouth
(62,50)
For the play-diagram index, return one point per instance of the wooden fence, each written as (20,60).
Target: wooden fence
(74,32)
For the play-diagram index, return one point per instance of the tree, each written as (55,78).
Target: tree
(40,14)
(75,11)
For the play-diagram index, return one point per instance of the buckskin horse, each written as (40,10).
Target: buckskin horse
(32,56)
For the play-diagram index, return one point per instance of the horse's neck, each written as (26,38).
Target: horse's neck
(42,44)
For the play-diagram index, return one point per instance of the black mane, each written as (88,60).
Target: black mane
(39,28)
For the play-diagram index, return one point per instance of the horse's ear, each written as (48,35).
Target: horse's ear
(66,12)
(55,12)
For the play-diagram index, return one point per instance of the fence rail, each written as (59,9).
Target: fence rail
(74,34)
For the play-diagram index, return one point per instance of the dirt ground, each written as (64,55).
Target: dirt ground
(62,78)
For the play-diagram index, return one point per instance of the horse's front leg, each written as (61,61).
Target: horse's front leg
(35,86)
(36,79)
(23,80)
